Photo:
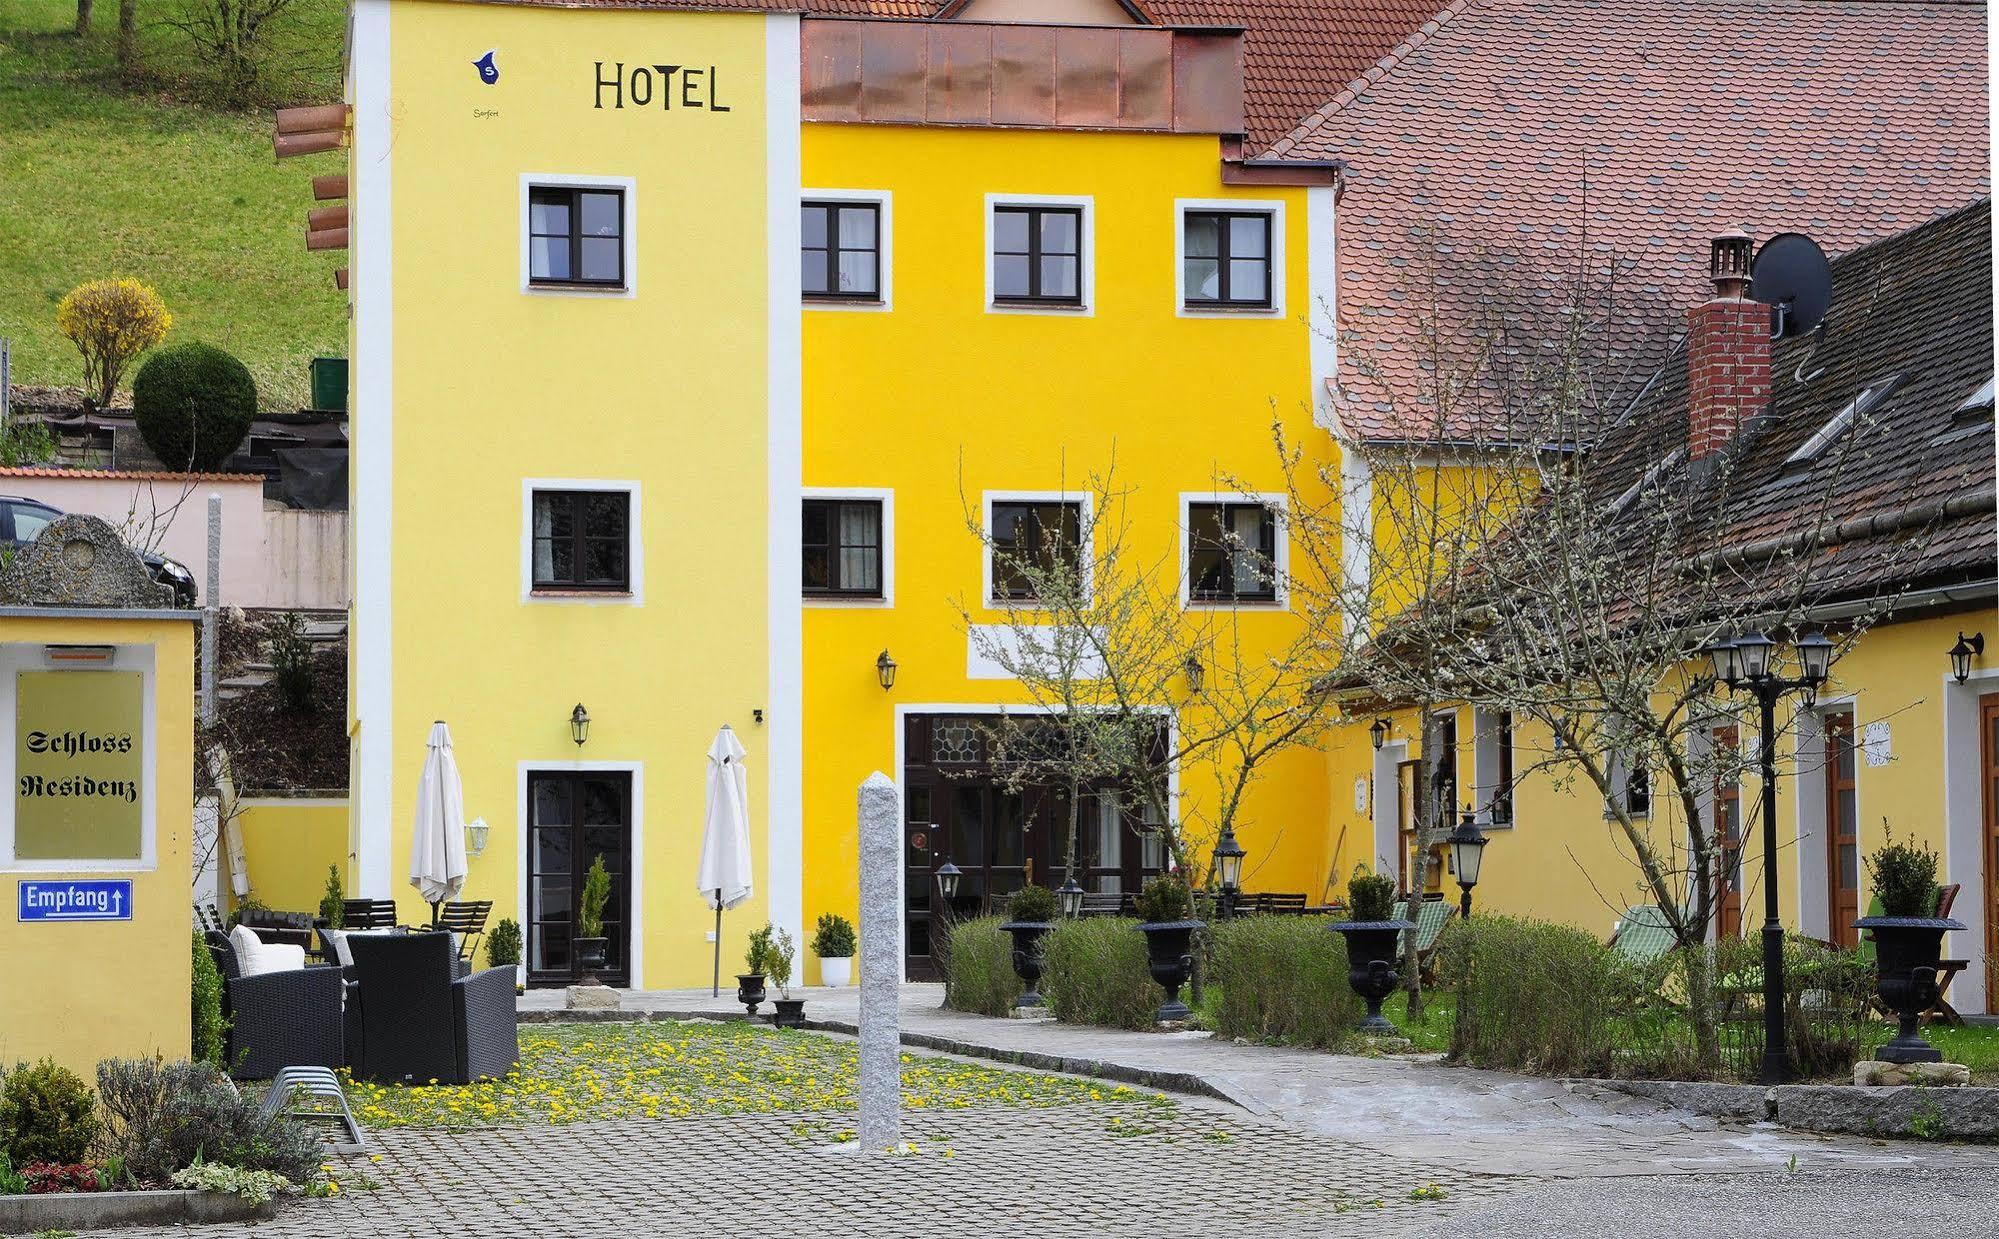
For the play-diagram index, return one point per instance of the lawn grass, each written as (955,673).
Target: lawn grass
(571,1073)
(98,179)
(1974,1045)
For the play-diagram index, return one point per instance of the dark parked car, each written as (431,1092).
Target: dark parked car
(22,521)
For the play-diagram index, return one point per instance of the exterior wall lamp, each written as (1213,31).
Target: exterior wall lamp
(1961,654)
(885,671)
(476,832)
(1196,673)
(579,724)
(1377,731)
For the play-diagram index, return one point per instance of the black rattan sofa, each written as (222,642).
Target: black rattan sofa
(411,1019)
(279,1019)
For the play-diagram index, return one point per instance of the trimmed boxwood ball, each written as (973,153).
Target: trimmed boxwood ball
(193,403)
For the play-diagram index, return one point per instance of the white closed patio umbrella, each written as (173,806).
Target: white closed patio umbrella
(724,877)
(437,842)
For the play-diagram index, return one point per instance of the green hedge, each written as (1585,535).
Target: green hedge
(978,968)
(1094,973)
(1281,979)
(1535,996)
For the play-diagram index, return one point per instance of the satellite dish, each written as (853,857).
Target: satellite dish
(1792,277)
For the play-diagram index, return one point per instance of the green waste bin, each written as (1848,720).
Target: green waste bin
(329,384)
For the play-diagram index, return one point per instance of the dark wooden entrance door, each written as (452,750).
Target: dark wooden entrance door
(574,817)
(1842,830)
(1726,831)
(956,809)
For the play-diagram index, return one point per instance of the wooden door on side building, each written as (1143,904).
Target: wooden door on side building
(1725,836)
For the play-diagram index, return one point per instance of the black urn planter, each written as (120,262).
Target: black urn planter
(590,954)
(1169,956)
(750,991)
(1906,952)
(790,1013)
(1027,937)
(1371,965)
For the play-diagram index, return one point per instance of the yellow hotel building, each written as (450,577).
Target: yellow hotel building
(692,348)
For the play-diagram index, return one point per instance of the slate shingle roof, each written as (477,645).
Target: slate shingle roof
(1917,305)
(1518,134)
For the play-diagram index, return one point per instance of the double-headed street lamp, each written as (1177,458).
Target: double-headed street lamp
(1747,664)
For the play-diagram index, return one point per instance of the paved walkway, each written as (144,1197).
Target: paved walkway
(1412,1106)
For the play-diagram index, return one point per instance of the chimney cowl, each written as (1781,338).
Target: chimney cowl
(1728,263)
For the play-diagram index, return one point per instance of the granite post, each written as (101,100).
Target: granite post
(881,937)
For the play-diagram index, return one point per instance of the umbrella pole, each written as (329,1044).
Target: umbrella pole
(716,992)
(433,914)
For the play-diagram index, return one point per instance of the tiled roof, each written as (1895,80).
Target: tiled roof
(126,475)
(1516,135)
(1917,306)
(1297,54)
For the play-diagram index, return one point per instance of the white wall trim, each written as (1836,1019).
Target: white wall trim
(19,656)
(886,497)
(629,227)
(1086,265)
(1964,831)
(1271,207)
(885,244)
(1279,504)
(1086,534)
(784,733)
(373,506)
(635,860)
(1809,861)
(1322,299)
(635,559)
(1387,824)
(1485,765)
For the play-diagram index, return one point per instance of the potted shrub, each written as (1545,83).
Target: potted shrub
(503,950)
(1164,910)
(1908,943)
(1030,916)
(756,961)
(1370,938)
(590,920)
(833,943)
(790,1011)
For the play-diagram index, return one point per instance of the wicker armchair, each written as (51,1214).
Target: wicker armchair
(412,1019)
(279,1019)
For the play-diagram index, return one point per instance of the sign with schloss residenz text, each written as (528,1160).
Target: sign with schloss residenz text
(79,765)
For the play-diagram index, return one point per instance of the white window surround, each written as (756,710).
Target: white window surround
(1485,764)
(629,226)
(1280,507)
(1085,534)
(634,552)
(1807,789)
(19,656)
(886,497)
(885,241)
(1275,210)
(634,860)
(1086,266)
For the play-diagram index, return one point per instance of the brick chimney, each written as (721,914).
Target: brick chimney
(1728,351)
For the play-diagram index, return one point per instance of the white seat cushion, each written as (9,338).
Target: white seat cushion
(254,956)
(336,941)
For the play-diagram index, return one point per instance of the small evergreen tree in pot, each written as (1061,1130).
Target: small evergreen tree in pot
(1164,905)
(1030,915)
(778,959)
(503,949)
(1371,942)
(1908,942)
(756,962)
(590,942)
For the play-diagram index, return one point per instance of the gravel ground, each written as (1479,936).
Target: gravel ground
(1946,1201)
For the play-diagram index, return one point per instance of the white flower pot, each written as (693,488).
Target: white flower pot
(835,973)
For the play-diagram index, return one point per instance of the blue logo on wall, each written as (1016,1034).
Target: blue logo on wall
(64,900)
(488,71)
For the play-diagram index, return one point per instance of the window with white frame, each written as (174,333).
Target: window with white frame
(1232,551)
(1630,780)
(1029,541)
(841,243)
(1228,256)
(1038,253)
(843,547)
(580,539)
(576,236)
(1492,764)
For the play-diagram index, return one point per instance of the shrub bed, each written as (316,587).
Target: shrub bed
(978,968)
(1093,972)
(1534,996)
(1281,979)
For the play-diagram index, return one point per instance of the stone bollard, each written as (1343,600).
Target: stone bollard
(881,937)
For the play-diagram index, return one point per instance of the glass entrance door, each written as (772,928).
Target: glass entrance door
(574,817)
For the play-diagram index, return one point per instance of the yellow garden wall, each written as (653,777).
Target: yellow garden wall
(82,992)
(287,847)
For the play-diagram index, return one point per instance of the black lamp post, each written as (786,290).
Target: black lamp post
(1745,664)
(579,724)
(1467,853)
(1963,652)
(1069,899)
(1228,871)
(1377,731)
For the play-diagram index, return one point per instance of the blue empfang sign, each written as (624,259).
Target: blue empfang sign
(107,899)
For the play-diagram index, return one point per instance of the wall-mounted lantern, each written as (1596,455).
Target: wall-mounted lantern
(1961,654)
(579,724)
(1377,731)
(1196,673)
(476,832)
(885,671)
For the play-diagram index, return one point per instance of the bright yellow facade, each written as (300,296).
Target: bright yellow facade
(288,846)
(83,992)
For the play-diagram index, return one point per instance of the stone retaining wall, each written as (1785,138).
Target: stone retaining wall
(1907,1110)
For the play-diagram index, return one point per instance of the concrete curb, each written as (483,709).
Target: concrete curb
(1911,1111)
(99,1210)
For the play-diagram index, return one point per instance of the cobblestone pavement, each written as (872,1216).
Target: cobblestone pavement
(1063,1171)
